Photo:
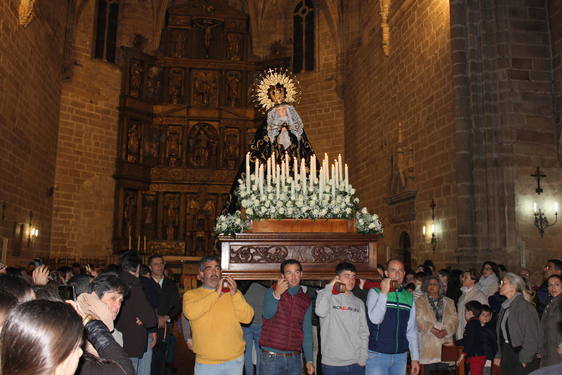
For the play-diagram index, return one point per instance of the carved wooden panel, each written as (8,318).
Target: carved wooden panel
(176,86)
(173,146)
(136,73)
(204,88)
(233,84)
(231,148)
(257,255)
(134,131)
(151,145)
(202,153)
(307,254)
(186,123)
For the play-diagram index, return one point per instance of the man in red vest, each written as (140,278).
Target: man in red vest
(287,325)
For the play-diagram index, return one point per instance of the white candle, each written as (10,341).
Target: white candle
(333,183)
(293,189)
(340,166)
(346,178)
(555,207)
(303,174)
(268,177)
(261,179)
(313,168)
(535,207)
(248,171)
(295,167)
(336,170)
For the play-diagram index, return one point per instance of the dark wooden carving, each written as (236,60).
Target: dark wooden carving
(257,255)
(185,123)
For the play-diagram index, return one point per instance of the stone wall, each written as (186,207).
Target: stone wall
(412,86)
(30,71)
(506,127)
(84,196)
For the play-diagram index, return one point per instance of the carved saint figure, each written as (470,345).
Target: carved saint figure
(233,86)
(153,83)
(203,90)
(171,219)
(203,146)
(233,47)
(175,87)
(133,143)
(173,148)
(179,44)
(232,149)
(135,81)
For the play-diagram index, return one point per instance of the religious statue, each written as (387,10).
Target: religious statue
(207,25)
(233,47)
(173,148)
(179,44)
(171,219)
(203,90)
(133,143)
(282,133)
(231,148)
(135,81)
(202,146)
(233,86)
(153,84)
(175,89)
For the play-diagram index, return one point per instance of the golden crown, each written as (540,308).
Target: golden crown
(273,87)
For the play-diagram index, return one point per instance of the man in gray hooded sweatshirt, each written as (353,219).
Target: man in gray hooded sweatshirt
(344,331)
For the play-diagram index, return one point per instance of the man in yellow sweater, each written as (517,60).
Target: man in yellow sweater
(215,311)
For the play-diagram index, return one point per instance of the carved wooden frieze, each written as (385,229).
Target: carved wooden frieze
(205,88)
(166,247)
(151,145)
(171,220)
(306,254)
(259,254)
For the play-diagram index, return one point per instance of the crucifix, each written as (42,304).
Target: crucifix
(538,176)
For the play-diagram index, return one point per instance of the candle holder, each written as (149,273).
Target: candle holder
(541,221)
(433,239)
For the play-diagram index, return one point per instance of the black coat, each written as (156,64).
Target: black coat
(112,358)
(135,306)
(169,299)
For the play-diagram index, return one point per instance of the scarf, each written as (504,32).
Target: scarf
(505,306)
(437,306)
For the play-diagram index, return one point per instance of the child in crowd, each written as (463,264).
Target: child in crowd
(479,339)
(488,339)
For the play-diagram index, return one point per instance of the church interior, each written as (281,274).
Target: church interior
(124,122)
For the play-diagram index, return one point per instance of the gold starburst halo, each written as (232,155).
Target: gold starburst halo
(273,87)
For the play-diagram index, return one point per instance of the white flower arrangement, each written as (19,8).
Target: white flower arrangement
(285,202)
(366,222)
(230,224)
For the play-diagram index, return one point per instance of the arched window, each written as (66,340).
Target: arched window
(303,36)
(105,43)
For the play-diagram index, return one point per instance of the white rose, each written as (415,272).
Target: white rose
(249,211)
(371,226)
(364,210)
(352,191)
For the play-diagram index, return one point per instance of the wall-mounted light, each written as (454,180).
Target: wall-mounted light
(432,228)
(541,221)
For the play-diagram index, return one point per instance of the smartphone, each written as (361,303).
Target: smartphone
(225,287)
(338,288)
(37,261)
(67,292)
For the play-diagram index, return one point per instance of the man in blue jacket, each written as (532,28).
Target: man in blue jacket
(392,325)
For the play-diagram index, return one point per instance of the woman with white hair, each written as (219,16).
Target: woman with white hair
(517,328)
(436,318)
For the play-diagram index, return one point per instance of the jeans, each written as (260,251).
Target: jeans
(143,365)
(343,370)
(233,367)
(252,335)
(386,364)
(271,364)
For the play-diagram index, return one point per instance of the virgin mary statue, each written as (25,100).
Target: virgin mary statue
(281,133)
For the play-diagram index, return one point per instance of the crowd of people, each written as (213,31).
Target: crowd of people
(120,319)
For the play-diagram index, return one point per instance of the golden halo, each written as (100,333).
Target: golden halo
(271,79)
